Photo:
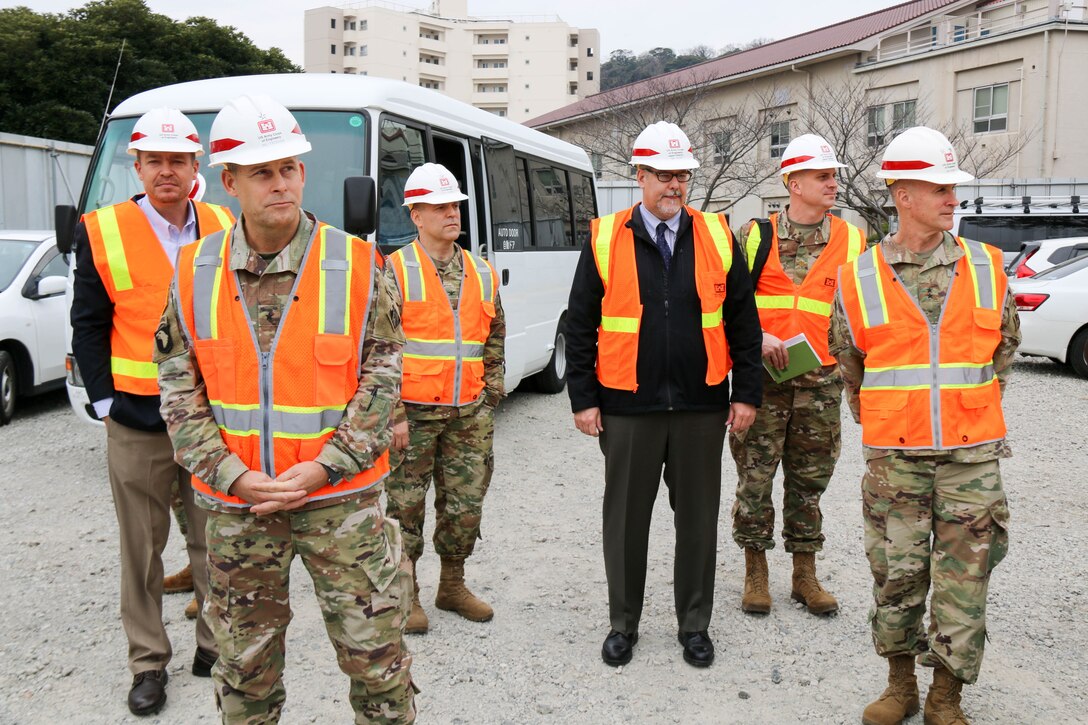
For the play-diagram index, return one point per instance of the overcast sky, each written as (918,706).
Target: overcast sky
(635,25)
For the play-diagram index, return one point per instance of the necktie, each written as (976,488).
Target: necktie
(662,245)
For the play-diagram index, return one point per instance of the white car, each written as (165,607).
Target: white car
(33,277)
(1053,309)
(1036,257)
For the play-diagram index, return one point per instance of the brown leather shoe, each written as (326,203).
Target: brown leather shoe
(178,583)
(148,693)
(757,592)
(806,587)
(899,699)
(191,609)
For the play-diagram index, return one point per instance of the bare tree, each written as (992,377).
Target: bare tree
(723,136)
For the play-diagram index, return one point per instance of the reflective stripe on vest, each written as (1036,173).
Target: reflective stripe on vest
(136,292)
(277,408)
(621,308)
(446,340)
(778,297)
(940,390)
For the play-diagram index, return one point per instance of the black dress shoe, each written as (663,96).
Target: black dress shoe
(617,648)
(203,661)
(148,693)
(698,649)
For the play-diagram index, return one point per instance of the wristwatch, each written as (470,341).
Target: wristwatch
(335,476)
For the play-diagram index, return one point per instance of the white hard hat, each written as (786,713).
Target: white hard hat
(663,146)
(253,130)
(922,153)
(808,152)
(199,187)
(166,130)
(432,184)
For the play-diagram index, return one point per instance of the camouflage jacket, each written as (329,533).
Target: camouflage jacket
(494,355)
(928,280)
(798,250)
(364,431)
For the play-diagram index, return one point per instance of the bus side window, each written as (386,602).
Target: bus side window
(551,207)
(400,149)
(584,208)
(509,198)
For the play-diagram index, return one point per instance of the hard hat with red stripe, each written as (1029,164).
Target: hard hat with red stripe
(166,130)
(254,130)
(808,151)
(924,154)
(663,146)
(432,184)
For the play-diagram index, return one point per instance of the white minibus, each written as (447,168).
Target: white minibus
(531,196)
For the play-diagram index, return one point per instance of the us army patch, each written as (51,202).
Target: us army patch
(162,337)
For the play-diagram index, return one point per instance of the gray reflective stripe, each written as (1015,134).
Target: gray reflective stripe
(334,265)
(205,267)
(447,350)
(870,291)
(413,280)
(374,274)
(485,278)
(921,377)
(310,423)
(982,263)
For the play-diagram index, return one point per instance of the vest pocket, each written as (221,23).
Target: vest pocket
(216,359)
(986,334)
(712,289)
(332,364)
(425,380)
(884,403)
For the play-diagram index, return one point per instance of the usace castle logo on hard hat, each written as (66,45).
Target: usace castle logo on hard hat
(444,181)
(825,148)
(266,125)
(674,143)
(949,157)
(168,128)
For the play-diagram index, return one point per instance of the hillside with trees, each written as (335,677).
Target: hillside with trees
(56,70)
(623,66)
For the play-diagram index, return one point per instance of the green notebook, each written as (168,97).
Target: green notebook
(802,359)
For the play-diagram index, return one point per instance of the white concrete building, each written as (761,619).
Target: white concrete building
(515,67)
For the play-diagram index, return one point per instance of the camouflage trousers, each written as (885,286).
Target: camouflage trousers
(801,429)
(363,586)
(179,510)
(931,523)
(456,452)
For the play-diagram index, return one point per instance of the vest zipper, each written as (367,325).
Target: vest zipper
(935,386)
(268,460)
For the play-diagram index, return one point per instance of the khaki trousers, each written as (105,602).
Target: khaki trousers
(142,471)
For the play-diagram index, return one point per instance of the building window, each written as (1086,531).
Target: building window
(903,116)
(598,162)
(589,75)
(362,50)
(332,49)
(992,108)
(723,144)
(332,23)
(574,41)
(877,127)
(349,51)
(780,138)
(573,89)
(362,25)
(351,25)
(589,52)
(573,64)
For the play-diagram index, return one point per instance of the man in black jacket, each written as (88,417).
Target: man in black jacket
(657,310)
(124,263)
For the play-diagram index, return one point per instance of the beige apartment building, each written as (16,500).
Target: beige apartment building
(1004,78)
(516,67)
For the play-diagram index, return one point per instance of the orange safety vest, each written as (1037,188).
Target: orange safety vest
(277,408)
(787,309)
(443,352)
(121,233)
(621,309)
(928,386)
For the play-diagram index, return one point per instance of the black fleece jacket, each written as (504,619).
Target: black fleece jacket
(671,355)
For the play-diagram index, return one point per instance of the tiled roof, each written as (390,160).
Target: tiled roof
(825,39)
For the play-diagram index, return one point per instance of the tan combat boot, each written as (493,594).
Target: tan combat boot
(943,700)
(900,700)
(454,596)
(191,609)
(417,620)
(807,589)
(757,592)
(180,582)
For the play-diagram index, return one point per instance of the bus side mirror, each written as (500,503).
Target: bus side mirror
(64,221)
(360,205)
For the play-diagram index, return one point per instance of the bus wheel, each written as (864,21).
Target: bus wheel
(553,378)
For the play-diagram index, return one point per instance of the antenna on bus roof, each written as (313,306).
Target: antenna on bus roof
(106,110)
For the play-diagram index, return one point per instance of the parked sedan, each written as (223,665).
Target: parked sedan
(1053,309)
(1039,256)
(33,276)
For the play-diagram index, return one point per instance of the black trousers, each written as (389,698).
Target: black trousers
(688,445)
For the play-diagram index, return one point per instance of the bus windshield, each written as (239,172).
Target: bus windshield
(339,151)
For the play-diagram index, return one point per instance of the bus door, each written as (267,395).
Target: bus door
(452,152)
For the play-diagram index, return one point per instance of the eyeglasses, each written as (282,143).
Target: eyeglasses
(666,176)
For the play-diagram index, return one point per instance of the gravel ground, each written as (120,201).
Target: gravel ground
(62,651)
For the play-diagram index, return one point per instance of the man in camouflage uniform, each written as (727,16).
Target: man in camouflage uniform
(799,424)
(325,509)
(935,515)
(450,440)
